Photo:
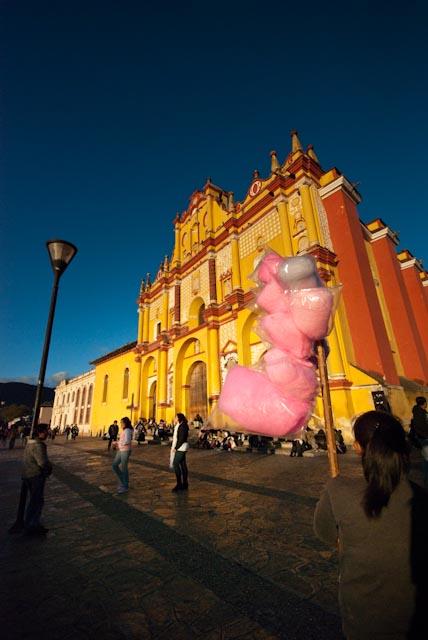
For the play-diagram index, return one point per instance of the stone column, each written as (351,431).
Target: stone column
(162,391)
(308,213)
(281,205)
(140,323)
(214,364)
(146,323)
(236,267)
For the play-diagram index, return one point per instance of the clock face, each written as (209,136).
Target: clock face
(255,188)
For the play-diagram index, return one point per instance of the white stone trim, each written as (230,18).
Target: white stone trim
(341,184)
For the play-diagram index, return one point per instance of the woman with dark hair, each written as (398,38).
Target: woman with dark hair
(120,463)
(372,518)
(419,430)
(178,452)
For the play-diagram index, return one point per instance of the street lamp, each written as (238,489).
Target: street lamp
(61,254)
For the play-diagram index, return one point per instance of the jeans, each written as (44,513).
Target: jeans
(35,487)
(180,468)
(121,460)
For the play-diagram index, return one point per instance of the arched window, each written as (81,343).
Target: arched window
(105,388)
(201,314)
(158,327)
(196,313)
(198,389)
(125,384)
(76,408)
(152,400)
(88,406)
(82,406)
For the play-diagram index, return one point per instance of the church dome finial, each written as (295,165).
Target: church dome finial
(311,153)
(275,166)
(295,142)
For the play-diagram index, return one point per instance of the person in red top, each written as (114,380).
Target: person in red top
(120,463)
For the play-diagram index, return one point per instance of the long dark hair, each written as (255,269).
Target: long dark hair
(182,418)
(385,457)
(127,423)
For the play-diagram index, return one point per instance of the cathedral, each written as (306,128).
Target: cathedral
(196,316)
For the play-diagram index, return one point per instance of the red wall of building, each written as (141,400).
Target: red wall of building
(369,336)
(400,308)
(418,300)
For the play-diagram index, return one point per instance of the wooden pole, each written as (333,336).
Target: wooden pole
(328,413)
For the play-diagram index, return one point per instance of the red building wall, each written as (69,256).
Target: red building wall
(369,336)
(417,294)
(401,310)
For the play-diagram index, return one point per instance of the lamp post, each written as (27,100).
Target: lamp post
(61,254)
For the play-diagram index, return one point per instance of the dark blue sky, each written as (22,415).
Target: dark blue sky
(113,113)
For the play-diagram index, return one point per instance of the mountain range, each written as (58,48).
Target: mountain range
(22,393)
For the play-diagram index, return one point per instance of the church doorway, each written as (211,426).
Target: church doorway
(152,401)
(198,391)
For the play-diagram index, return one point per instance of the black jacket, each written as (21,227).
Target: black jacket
(420,421)
(182,435)
(113,430)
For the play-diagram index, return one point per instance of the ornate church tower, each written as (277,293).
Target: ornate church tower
(196,319)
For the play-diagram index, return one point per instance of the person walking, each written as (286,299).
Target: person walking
(380,523)
(179,448)
(113,431)
(12,436)
(420,426)
(36,468)
(140,431)
(120,463)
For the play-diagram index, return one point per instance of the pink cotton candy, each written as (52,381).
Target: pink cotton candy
(255,403)
(276,396)
(311,310)
(269,266)
(280,330)
(272,298)
(292,377)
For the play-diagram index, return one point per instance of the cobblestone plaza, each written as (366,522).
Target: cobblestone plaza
(234,557)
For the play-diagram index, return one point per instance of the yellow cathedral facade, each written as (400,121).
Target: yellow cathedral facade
(196,320)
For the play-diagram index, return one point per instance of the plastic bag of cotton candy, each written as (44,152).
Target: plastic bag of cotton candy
(276,396)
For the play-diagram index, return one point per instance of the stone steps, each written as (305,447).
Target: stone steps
(277,446)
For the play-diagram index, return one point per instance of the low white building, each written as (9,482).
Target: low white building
(45,414)
(73,403)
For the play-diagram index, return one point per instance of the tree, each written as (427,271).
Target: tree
(11,411)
